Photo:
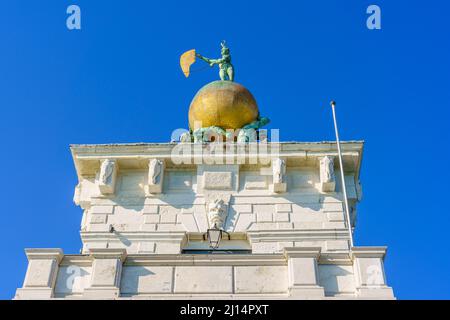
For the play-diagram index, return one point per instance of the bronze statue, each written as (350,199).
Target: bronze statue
(226,70)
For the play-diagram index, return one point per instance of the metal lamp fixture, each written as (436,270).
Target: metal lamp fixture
(214,236)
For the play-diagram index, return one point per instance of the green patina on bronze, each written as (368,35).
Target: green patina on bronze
(226,69)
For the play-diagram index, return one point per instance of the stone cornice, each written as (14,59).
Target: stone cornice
(280,235)
(302,252)
(46,254)
(206,260)
(286,145)
(297,235)
(82,260)
(339,258)
(108,253)
(369,252)
(155,236)
(86,157)
(238,198)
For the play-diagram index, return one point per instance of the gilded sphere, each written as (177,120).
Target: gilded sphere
(224,104)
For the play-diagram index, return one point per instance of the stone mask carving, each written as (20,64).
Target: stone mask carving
(217,213)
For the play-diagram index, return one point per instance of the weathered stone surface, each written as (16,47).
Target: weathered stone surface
(337,279)
(150,210)
(255,182)
(167,247)
(283,207)
(169,216)
(40,273)
(101,209)
(244,222)
(141,280)
(147,247)
(243,208)
(261,279)
(281,217)
(98,218)
(151,218)
(203,279)
(265,247)
(217,180)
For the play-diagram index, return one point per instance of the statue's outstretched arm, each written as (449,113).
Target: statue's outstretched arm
(198,55)
(207,60)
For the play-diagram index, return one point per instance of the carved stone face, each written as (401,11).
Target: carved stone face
(217,213)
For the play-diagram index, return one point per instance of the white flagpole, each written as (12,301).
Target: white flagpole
(344,188)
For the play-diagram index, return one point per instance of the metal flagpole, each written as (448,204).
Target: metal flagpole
(344,188)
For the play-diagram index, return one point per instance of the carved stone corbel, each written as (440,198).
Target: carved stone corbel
(107,176)
(155,176)
(80,199)
(327,176)
(279,175)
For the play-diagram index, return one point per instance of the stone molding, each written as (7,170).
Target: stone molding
(369,252)
(108,253)
(206,260)
(153,259)
(302,252)
(139,154)
(43,253)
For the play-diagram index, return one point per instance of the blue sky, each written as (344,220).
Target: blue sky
(118,80)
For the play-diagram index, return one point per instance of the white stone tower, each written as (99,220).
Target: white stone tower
(145,212)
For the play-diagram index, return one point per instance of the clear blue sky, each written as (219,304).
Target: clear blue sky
(118,80)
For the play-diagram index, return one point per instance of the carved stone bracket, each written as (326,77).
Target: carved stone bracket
(327,176)
(155,176)
(279,175)
(107,176)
